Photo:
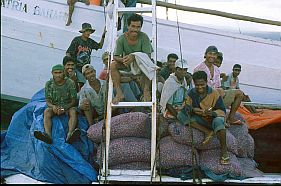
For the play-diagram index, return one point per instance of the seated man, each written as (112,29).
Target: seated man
(170,67)
(218,63)
(130,88)
(128,45)
(71,9)
(174,90)
(92,95)
(231,98)
(204,106)
(61,97)
(232,82)
(71,72)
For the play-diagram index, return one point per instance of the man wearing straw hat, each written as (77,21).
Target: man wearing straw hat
(81,46)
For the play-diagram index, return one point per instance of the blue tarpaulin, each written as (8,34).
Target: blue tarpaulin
(58,162)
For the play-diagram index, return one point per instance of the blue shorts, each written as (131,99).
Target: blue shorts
(217,123)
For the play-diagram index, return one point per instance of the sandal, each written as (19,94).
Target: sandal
(225,160)
(208,138)
(235,122)
(43,136)
(74,135)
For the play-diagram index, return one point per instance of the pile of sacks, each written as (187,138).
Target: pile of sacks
(129,141)
(130,147)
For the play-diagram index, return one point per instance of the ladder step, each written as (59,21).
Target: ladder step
(135,9)
(132,104)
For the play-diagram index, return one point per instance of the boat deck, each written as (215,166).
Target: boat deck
(118,176)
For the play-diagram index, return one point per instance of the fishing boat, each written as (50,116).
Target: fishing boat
(34,38)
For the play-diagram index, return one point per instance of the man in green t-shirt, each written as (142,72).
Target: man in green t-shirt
(131,41)
(60,93)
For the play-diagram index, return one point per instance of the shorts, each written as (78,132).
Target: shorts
(228,98)
(217,123)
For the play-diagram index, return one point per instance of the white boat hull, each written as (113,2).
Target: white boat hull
(34,38)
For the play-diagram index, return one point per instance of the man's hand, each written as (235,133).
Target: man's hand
(188,78)
(208,112)
(203,112)
(85,105)
(198,111)
(104,32)
(128,59)
(60,111)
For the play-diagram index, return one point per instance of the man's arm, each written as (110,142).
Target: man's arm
(52,106)
(172,110)
(71,49)
(118,59)
(102,39)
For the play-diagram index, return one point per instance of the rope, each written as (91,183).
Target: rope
(193,156)
(179,36)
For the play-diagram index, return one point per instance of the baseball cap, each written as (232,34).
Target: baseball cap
(211,49)
(181,63)
(87,66)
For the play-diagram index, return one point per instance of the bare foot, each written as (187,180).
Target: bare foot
(208,138)
(87,2)
(117,99)
(146,96)
(68,23)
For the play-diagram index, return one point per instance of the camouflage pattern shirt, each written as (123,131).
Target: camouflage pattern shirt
(60,95)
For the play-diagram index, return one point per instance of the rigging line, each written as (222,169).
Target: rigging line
(105,111)
(178,32)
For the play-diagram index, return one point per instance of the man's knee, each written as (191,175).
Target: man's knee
(239,94)
(72,112)
(114,66)
(48,112)
(218,124)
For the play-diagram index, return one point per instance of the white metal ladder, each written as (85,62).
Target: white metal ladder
(152,104)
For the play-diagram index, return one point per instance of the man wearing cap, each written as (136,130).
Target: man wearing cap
(61,97)
(231,98)
(208,66)
(174,90)
(81,46)
(71,72)
(92,95)
(71,9)
(125,58)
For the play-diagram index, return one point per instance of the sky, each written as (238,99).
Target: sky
(266,9)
